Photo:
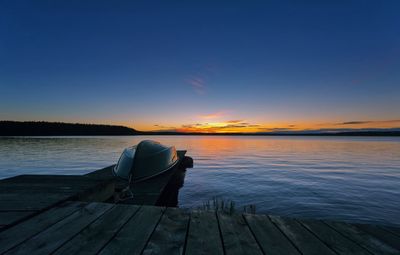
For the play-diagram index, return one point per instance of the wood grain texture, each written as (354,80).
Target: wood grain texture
(8,218)
(170,235)
(333,239)
(394,230)
(236,235)
(203,235)
(24,230)
(369,242)
(100,232)
(41,192)
(133,237)
(306,242)
(53,237)
(270,238)
(381,234)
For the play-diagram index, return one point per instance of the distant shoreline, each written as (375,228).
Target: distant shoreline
(42,128)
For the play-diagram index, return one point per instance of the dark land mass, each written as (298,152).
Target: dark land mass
(43,128)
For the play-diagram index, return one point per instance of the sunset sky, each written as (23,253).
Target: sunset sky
(231,66)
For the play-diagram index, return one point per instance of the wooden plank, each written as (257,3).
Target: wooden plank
(203,235)
(371,243)
(64,181)
(332,238)
(133,237)
(170,235)
(394,230)
(25,188)
(97,193)
(100,232)
(102,174)
(8,218)
(270,238)
(30,177)
(381,234)
(40,192)
(236,235)
(53,237)
(306,242)
(24,230)
(26,204)
(28,197)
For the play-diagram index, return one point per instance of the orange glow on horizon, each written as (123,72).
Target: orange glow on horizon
(241,126)
(202,125)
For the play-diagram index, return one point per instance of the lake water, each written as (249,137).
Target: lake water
(356,179)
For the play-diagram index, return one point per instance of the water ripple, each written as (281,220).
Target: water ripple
(344,178)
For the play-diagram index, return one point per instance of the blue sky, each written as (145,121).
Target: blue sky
(158,65)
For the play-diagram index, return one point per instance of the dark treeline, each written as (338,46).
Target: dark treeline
(42,128)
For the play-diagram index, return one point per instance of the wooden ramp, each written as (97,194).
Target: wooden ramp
(103,228)
(25,195)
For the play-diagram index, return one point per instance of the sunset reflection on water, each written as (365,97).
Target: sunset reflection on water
(343,178)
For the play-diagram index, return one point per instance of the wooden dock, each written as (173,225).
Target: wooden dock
(53,214)
(26,195)
(105,228)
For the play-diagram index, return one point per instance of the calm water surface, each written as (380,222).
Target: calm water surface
(342,178)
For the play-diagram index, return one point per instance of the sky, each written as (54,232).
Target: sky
(209,66)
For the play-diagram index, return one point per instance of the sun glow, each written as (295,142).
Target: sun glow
(243,126)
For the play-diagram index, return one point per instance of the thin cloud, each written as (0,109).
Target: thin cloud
(212,115)
(357,122)
(353,123)
(275,129)
(235,121)
(163,128)
(198,84)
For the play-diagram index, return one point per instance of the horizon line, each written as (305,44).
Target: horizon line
(326,131)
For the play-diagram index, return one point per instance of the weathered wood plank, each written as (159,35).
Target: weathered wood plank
(170,235)
(100,232)
(306,242)
(371,243)
(332,238)
(270,238)
(381,234)
(53,237)
(133,237)
(236,235)
(26,204)
(27,196)
(59,181)
(24,230)
(203,235)
(22,189)
(40,192)
(394,230)
(96,193)
(7,218)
